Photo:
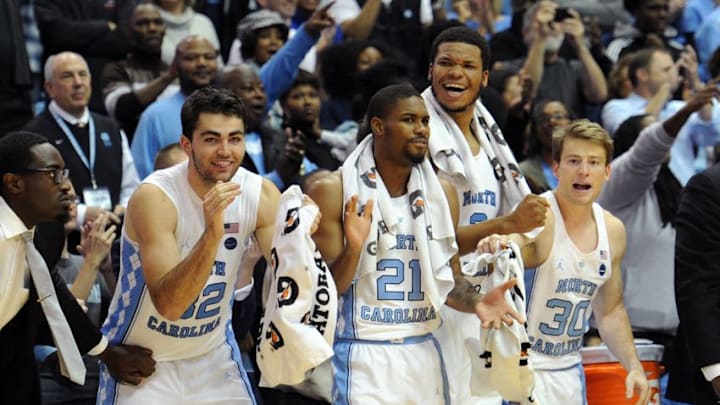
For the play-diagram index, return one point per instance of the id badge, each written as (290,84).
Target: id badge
(97,197)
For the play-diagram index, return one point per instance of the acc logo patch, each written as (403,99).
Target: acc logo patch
(292,220)
(287,290)
(417,203)
(276,339)
(602,269)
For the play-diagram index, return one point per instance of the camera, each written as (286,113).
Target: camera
(561,14)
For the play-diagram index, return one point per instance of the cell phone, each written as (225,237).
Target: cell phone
(561,14)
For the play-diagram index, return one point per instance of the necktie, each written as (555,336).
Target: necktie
(71,364)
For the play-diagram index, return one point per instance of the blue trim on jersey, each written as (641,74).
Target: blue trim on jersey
(347,312)
(341,368)
(235,354)
(107,387)
(131,284)
(443,371)
(401,341)
(583,382)
(530,275)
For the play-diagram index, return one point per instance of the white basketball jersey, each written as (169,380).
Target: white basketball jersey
(479,203)
(133,319)
(389,303)
(560,295)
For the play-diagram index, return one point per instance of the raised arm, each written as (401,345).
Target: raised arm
(612,319)
(174,282)
(340,237)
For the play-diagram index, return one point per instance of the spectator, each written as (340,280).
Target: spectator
(654,77)
(182,21)
(706,39)
(169,156)
(650,28)
(301,104)
(159,125)
(548,116)
(225,15)
(574,82)
(261,34)
(95,29)
(93,147)
(130,85)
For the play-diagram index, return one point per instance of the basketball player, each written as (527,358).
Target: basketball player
(185,231)
(466,147)
(578,257)
(395,216)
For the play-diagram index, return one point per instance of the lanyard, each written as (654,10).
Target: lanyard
(74,142)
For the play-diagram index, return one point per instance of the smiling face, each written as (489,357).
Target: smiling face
(217,147)
(196,63)
(402,136)
(582,170)
(457,76)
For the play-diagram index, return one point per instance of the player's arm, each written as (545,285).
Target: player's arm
(339,237)
(528,215)
(612,319)
(491,308)
(266,216)
(174,282)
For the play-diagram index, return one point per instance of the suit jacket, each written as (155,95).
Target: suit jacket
(697,288)
(273,144)
(19,383)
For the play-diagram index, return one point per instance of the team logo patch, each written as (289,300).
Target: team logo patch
(602,269)
(276,339)
(417,203)
(287,290)
(370,178)
(292,220)
(105,137)
(371,248)
(230,243)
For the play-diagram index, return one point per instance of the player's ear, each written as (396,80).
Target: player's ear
(376,125)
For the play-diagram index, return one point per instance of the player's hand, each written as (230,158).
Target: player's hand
(492,244)
(357,225)
(292,157)
(128,364)
(636,382)
(529,214)
(91,214)
(493,309)
(214,204)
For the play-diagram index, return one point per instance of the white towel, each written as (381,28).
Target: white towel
(298,327)
(451,153)
(500,357)
(432,221)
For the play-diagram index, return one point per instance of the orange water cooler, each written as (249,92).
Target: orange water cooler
(605,376)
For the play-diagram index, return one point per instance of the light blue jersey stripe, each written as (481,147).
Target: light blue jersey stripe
(235,354)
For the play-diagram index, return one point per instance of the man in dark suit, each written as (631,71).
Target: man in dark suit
(695,376)
(35,189)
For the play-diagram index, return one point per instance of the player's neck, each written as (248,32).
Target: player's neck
(395,177)
(573,215)
(464,119)
(197,183)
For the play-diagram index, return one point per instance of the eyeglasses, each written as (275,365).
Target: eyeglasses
(58,175)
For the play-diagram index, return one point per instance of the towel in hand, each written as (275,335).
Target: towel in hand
(298,327)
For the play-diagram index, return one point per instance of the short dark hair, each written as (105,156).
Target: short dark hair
(627,133)
(209,100)
(465,35)
(641,60)
(386,97)
(15,148)
(249,40)
(303,78)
